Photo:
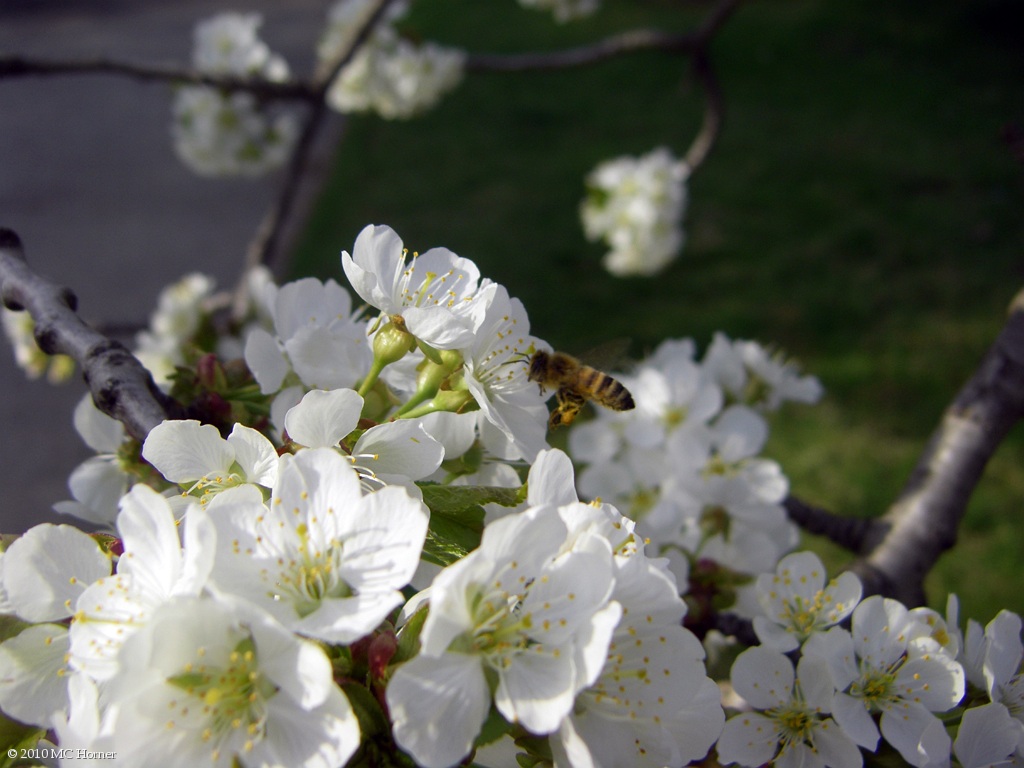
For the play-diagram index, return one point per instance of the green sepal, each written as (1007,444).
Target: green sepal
(105,541)
(494,727)
(409,636)
(372,720)
(536,751)
(429,352)
(11,626)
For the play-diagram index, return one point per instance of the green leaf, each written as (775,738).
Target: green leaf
(457,518)
(15,737)
(450,500)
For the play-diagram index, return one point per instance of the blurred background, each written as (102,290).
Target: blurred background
(861,211)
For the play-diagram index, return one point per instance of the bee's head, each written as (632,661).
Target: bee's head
(538,365)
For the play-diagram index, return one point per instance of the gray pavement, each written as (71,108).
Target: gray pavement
(90,182)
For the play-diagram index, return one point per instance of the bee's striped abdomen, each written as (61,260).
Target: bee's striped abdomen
(604,389)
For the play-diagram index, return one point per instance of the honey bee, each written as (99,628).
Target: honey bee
(576,383)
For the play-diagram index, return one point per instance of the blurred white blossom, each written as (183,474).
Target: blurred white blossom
(389,74)
(564,10)
(636,206)
(179,313)
(19,327)
(220,133)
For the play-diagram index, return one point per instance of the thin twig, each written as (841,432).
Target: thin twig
(625,42)
(121,387)
(714,111)
(290,90)
(263,245)
(922,524)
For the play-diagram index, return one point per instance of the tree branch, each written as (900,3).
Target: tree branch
(21,66)
(848,532)
(263,244)
(714,111)
(922,524)
(626,42)
(121,387)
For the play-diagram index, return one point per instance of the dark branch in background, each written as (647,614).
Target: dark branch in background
(714,112)
(906,542)
(121,387)
(848,532)
(694,44)
(626,42)
(263,244)
(118,397)
(20,66)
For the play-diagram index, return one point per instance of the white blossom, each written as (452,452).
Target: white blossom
(318,340)
(98,483)
(797,602)
(513,610)
(323,558)
(224,133)
(196,457)
(756,375)
(173,324)
(495,373)
(214,682)
(636,206)
(434,292)
(791,727)
(389,75)
(394,452)
(889,665)
(640,709)
(156,566)
(19,327)
(564,10)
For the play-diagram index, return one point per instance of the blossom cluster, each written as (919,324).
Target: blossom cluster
(389,75)
(217,132)
(363,543)
(887,677)
(636,206)
(685,462)
(300,528)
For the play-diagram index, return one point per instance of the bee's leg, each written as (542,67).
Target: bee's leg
(569,405)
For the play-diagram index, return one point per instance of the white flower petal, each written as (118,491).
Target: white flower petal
(763,677)
(152,550)
(185,451)
(749,739)
(398,449)
(323,418)
(33,664)
(255,454)
(265,359)
(438,706)
(99,431)
(987,736)
(46,570)
(551,480)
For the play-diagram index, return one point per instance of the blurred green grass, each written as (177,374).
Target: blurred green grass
(860,210)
